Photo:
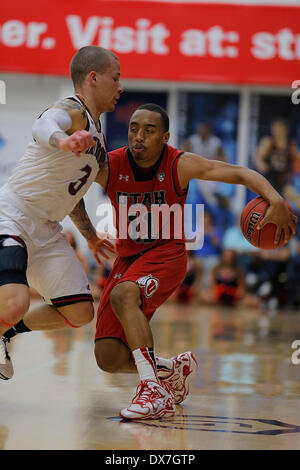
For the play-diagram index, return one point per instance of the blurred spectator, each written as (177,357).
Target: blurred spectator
(204,143)
(207,145)
(293,274)
(276,155)
(234,240)
(191,286)
(227,281)
(208,256)
(267,277)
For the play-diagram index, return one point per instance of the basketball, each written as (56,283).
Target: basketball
(252,214)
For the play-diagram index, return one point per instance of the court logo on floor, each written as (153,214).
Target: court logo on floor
(265,427)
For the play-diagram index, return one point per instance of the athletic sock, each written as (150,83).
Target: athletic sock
(145,362)
(164,367)
(18,328)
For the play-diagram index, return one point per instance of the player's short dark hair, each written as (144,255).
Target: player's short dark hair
(158,109)
(280,119)
(206,124)
(89,58)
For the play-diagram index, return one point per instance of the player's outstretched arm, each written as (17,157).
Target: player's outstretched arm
(99,244)
(63,126)
(193,166)
(102,175)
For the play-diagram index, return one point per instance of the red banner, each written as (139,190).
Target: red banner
(161,41)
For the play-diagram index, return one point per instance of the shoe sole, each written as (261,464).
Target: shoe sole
(6,365)
(9,372)
(159,415)
(193,367)
(3,377)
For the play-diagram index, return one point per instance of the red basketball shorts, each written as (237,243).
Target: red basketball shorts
(158,272)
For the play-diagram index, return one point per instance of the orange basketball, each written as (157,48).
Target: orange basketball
(252,214)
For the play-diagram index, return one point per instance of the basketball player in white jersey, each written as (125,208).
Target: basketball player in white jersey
(49,182)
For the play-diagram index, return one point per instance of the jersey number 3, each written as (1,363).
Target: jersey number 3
(75,187)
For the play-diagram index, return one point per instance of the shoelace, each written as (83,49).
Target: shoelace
(144,394)
(167,386)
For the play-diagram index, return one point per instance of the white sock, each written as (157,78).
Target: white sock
(145,362)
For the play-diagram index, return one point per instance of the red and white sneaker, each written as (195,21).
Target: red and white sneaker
(177,384)
(6,367)
(152,401)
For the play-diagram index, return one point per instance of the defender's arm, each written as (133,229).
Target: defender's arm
(62,126)
(97,245)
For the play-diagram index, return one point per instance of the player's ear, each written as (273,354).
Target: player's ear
(166,137)
(93,76)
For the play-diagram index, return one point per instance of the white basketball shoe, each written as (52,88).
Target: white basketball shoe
(152,401)
(6,367)
(177,384)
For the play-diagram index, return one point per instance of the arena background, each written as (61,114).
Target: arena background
(237,65)
(237,82)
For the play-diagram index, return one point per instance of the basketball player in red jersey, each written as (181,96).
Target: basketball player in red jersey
(149,268)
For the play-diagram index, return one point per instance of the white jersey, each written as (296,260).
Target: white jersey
(49,183)
(206,148)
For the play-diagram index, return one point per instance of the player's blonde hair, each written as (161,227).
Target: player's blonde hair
(89,58)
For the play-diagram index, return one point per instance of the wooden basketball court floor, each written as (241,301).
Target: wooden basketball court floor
(245,394)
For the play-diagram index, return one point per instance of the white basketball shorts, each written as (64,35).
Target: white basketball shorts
(53,268)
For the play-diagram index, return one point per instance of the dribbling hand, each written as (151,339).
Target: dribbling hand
(283,218)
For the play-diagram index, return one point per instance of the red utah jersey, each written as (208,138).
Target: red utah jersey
(149,205)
